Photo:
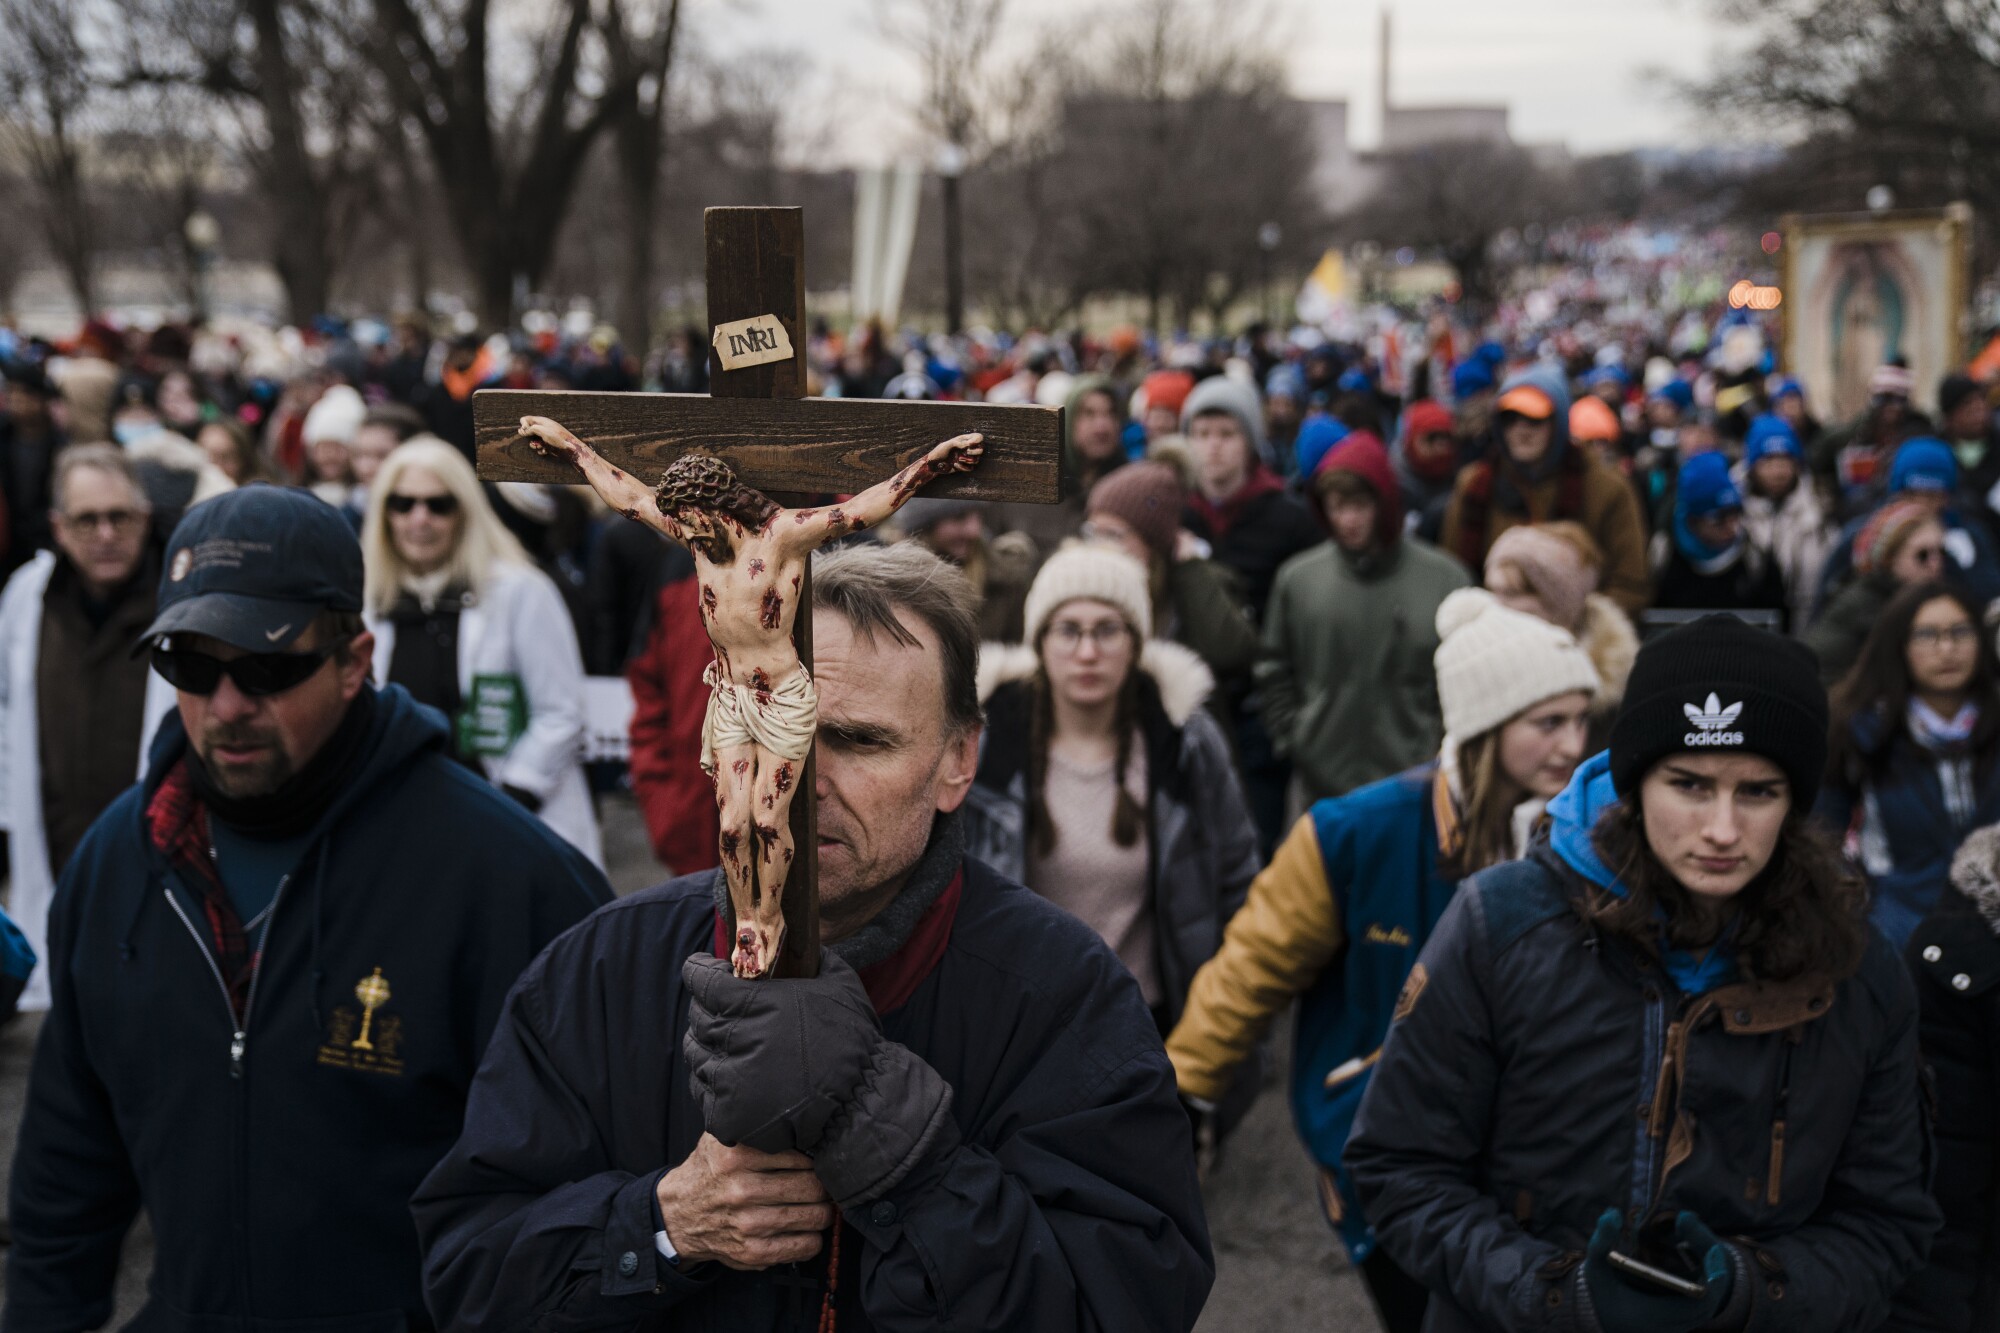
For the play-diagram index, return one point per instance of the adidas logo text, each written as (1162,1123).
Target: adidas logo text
(1711,722)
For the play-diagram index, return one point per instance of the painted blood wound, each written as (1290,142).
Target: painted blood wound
(756,568)
(708,599)
(771,610)
(731,841)
(783,781)
(802,515)
(739,768)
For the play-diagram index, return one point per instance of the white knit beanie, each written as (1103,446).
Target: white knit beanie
(1097,572)
(336,416)
(1494,664)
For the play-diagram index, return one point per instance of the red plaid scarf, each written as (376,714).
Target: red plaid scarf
(177,822)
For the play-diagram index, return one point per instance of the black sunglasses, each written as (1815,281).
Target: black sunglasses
(255,674)
(441,506)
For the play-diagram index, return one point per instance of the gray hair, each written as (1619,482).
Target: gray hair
(867,584)
(103,457)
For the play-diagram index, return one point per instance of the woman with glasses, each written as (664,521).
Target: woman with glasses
(1915,734)
(1901,545)
(1103,785)
(466,623)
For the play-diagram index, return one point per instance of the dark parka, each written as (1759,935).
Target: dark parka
(1202,845)
(1062,1199)
(1955,956)
(1501,1120)
(277,1174)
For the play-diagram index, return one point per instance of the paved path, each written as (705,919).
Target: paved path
(1278,1266)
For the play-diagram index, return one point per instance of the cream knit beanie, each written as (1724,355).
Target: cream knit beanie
(1493,663)
(1096,572)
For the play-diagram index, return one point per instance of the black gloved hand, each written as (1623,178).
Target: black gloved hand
(1628,1304)
(782,1064)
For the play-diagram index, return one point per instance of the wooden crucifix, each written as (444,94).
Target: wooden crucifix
(757,428)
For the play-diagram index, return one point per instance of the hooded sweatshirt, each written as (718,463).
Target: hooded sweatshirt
(275,1141)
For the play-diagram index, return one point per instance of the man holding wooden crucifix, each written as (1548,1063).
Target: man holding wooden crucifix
(750,557)
(966,1120)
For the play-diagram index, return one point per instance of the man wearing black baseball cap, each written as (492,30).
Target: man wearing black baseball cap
(275,963)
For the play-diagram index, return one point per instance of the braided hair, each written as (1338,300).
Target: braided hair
(703,481)
(1128,817)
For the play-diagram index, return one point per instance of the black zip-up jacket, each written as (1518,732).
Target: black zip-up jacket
(1062,1201)
(276,1158)
(1955,956)
(1539,1072)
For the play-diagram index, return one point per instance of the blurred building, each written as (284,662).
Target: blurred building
(1345,177)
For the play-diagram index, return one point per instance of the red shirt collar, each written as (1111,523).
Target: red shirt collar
(891,982)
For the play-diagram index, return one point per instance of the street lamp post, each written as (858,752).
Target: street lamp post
(951,166)
(1269,236)
(204,235)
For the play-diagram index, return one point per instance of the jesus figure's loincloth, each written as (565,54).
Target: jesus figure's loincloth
(781,721)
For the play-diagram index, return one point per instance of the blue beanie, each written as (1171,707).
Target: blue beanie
(1492,353)
(1285,381)
(1607,375)
(1318,434)
(1787,388)
(1355,381)
(1678,392)
(1923,464)
(1705,487)
(1475,376)
(1769,435)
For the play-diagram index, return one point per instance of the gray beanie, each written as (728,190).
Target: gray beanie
(1219,393)
(924,513)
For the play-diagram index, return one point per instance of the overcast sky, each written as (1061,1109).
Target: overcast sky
(1573,71)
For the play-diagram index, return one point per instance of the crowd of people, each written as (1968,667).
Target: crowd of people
(1600,753)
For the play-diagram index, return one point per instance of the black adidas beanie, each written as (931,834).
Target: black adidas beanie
(1720,686)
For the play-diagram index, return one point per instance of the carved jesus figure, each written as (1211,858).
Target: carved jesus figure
(750,557)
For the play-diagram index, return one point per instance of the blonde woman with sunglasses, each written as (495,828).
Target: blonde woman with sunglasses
(464,620)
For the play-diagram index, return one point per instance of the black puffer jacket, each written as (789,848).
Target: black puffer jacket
(1955,955)
(1501,1120)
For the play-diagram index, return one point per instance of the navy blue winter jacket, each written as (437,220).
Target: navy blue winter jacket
(1064,1201)
(278,1184)
(1540,1071)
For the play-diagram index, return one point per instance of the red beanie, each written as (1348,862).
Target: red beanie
(1362,455)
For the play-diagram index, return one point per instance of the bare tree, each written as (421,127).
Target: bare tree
(1456,198)
(306,113)
(1179,143)
(48,84)
(506,151)
(1898,92)
(952,44)
(639,49)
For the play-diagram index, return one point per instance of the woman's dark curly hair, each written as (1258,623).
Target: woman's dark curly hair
(703,481)
(1807,911)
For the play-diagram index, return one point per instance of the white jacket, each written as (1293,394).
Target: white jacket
(518,626)
(34,881)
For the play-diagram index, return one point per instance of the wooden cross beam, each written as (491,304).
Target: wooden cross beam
(757,419)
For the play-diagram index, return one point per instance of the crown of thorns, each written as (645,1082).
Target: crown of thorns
(697,481)
(702,481)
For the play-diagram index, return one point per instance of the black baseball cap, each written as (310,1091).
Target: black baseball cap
(254,567)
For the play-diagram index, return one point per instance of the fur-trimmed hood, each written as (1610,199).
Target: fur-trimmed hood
(1607,635)
(1975,873)
(1183,679)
